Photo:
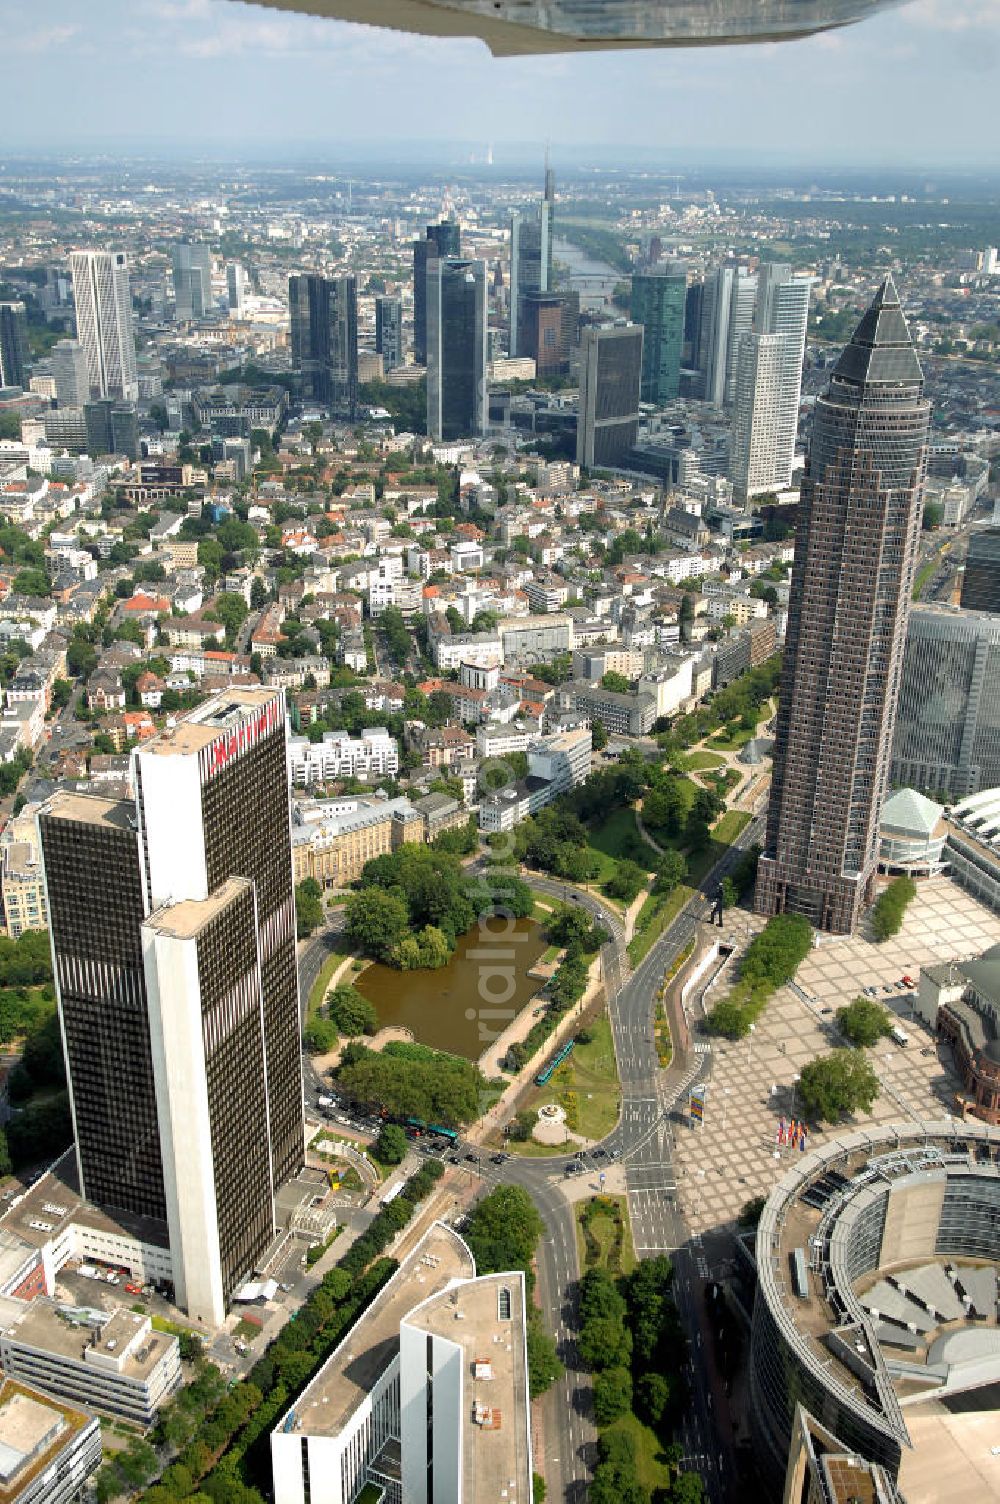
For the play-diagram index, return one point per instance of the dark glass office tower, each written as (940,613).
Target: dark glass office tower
(444,239)
(610,375)
(389,332)
(981,580)
(456,348)
(855,557)
(13,342)
(658,299)
(323,314)
(173,935)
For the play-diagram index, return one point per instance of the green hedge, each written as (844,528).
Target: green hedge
(771,961)
(889,908)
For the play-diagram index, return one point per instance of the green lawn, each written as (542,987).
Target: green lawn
(699,762)
(658,913)
(549,956)
(616,839)
(726,743)
(595,1081)
(322,982)
(924,574)
(652,1469)
(604,1229)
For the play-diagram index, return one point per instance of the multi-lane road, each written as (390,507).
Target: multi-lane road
(642,1142)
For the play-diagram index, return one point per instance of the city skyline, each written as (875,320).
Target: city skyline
(318,75)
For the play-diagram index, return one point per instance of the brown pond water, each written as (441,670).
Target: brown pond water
(467,1004)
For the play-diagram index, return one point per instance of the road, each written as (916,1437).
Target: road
(643,1141)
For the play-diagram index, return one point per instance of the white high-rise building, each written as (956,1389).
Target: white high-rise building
(768,384)
(727,314)
(237,283)
(104,322)
(71,373)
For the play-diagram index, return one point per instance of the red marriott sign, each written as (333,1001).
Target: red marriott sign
(229,745)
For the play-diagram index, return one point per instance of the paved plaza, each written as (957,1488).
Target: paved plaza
(734,1154)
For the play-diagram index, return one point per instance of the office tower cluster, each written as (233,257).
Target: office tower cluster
(13,342)
(856,547)
(172,920)
(457,397)
(192,265)
(610,376)
(324,338)
(444,239)
(727,305)
(104,322)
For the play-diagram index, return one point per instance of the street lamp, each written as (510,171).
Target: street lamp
(750,1046)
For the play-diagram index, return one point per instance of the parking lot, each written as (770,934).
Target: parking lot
(734,1155)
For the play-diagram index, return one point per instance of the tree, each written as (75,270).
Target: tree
(308,907)
(864,1022)
(232,611)
(391,1145)
(598,735)
(604,1343)
(320,1036)
(376,920)
(258,594)
(838,1083)
(612,1395)
(615,682)
(889,908)
(626,882)
(31,582)
(544,1366)
(351,1011)
(503,1230)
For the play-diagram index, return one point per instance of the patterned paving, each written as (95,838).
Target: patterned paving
(734,1155)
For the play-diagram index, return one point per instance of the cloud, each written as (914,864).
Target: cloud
(45,39)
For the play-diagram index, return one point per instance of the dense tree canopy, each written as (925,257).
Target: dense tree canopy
(838,1083)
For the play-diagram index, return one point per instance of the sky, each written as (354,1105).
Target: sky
(915,86)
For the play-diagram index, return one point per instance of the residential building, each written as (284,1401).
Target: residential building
(71,373)
(623,715)
(109,1361)
(389,332)
(981,580)
(440,812)
(768,384)
(323,312)
(856,547)
(22,882)
(456,348)
(426,1397)
(13,344)
(172,921)
(658,296)
(104,323)
(441,240)
(372,755)
(535,639)
(610,373)
(562,760)
(947,736)
(192,267)
(332,839)
(49,1450)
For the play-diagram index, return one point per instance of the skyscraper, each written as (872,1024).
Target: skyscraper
(236,287)
(69,368)
(104,322)
(456,348)
(192,280)
(610,373)
(981,580)
(444,239)
(769,383)
(548,329)
(13,340)
(172,920)
(855,556)
(530,260)
(658,299)
(727,313)
(324,338)
(389,332)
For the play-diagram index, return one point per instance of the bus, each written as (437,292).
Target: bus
(544,1075)
(415,1126)
(448,1133)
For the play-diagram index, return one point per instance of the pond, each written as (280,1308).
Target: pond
(466,1005)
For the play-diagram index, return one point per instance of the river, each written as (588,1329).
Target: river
(594,280)
(445,1008)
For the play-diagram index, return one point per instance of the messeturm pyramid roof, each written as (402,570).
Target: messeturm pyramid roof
(881,351)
